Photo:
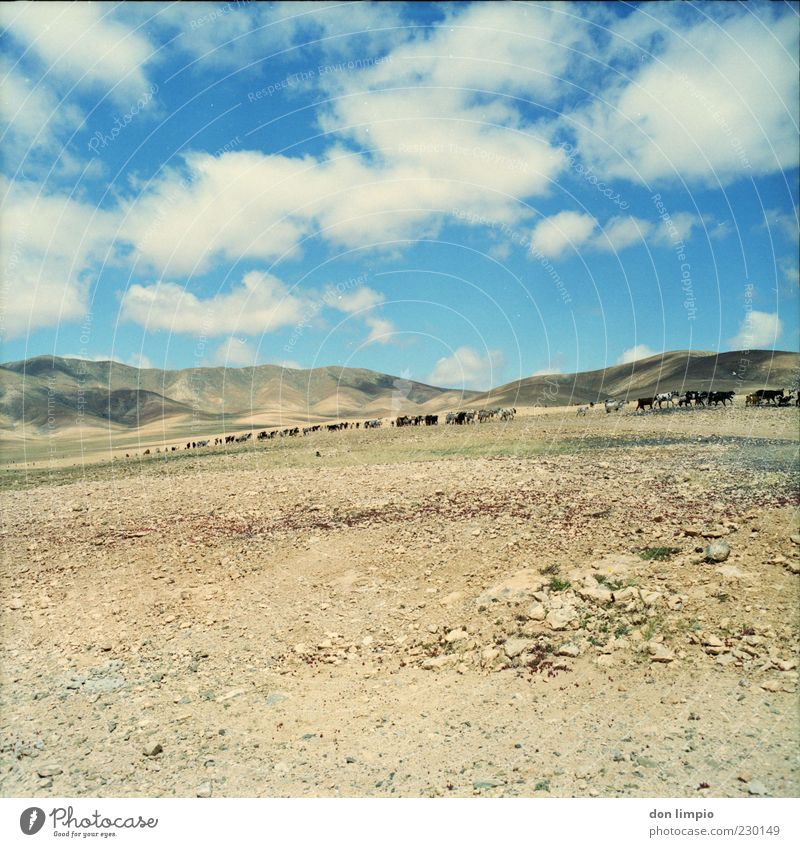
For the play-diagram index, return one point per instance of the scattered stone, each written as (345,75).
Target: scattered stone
(772,685)
(15,603)
(571,650)
(438,662)
(756,788)
(660,653)
(48,769)
(717,551)
(203,790)
(514,646)
(536,612)
(482,784)
(559,619)
(152,749)
(276,697)
(456,635)
(518,587)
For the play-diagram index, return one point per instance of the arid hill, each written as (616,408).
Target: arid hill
(55,390)
(679,370)
(52,392)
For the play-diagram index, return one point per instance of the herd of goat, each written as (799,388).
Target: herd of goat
(687,399)
(764,396)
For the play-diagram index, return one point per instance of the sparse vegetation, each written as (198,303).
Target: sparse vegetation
(658,554)
(558,584)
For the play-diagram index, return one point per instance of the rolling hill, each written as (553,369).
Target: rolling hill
(51,393)
(678,370)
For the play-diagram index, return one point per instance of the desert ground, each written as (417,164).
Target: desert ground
(553,606)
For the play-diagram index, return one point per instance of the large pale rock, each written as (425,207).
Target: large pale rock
(514,646)
(514,589)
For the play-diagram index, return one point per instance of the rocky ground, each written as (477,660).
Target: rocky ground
(553,607)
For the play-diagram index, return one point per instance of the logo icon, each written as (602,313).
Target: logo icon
(31,820)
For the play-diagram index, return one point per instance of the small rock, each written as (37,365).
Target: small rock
(481,784)
(660,653)
(772,685)
(438,662)
(15,603)
(536,612)
(456,635)
(571,650)
(756,788)
(152,749)
(558,619)
(514,646)
(48,769)
(203,790)
(717,551)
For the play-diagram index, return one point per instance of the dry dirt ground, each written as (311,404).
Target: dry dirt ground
(519,609)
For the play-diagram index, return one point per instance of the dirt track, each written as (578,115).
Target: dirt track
(505,610)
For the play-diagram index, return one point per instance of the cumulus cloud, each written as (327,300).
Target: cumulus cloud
(49,243)
(359,300)
(382,330)
(82,43)
(633,354)
(467,368)
(758,329)
(260,303)
(705,114)
(235,352)
(553,235)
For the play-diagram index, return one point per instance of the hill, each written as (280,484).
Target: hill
(49,393)
(678,370)
(52,392)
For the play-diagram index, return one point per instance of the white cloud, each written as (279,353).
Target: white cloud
(235,352)
(633,354)
(553,235)
(34,118)
(139,360)
(359,300)
(381,331)
(83,43)
(467,368)
(261,303)
(717,101)
(757,330)
(551,371)
(619,233)
(48,244)
(782,222)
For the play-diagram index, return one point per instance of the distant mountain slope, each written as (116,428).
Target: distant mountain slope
(50,391)
(679,370)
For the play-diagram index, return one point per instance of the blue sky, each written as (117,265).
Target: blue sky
(463,194)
